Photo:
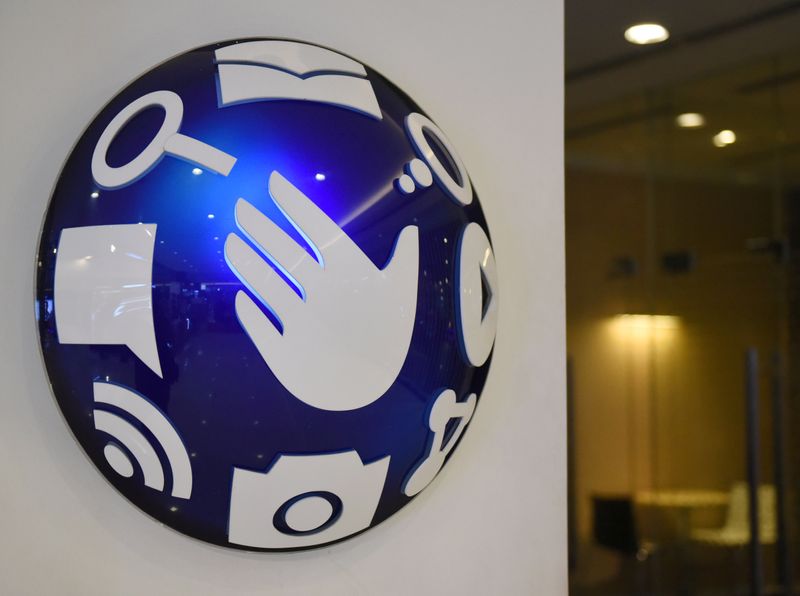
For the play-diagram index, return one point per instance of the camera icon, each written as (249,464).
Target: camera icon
(305,500)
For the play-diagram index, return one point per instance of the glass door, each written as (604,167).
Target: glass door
(682,210)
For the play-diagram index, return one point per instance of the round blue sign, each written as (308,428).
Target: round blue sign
(266,295)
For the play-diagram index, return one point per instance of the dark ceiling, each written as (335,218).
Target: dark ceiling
(735,61)
(706,35)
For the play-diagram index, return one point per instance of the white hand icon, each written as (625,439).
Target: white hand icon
(345,340)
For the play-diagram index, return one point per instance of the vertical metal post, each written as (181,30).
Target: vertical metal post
(753,459)
(783,562)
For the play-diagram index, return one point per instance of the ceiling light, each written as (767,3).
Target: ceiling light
(646,33)
(724,138)
(690,120)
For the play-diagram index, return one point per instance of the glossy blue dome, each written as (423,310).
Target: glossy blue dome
(229,411)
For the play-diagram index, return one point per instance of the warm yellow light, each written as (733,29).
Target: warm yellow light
(642,332)
(646,33)
(635,321)
(724,138)
(690,120)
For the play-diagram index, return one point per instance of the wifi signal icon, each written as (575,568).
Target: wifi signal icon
(137,444)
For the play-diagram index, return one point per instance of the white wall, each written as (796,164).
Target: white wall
(490,74)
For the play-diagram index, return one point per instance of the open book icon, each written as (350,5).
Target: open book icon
(273,70)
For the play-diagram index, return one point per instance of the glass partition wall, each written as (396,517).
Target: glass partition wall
(683,271)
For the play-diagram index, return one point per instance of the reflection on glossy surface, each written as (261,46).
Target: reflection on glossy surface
(231,402)
(682,203)
(102,285)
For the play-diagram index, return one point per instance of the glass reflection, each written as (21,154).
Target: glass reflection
(682,202)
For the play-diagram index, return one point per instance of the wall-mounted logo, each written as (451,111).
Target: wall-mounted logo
(266,295)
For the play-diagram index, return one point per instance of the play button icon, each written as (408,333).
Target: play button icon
(476,280)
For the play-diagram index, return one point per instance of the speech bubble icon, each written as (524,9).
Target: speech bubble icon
(103,284)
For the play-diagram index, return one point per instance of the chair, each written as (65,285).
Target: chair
(735,532)
(614,524)
(615,529)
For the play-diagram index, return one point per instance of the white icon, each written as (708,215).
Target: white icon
(103,288)
(137,444)
(445,408)
(167,141)
(416,174)
(346,335)
(304,500)
(459,187)
(476,302)
(274,69)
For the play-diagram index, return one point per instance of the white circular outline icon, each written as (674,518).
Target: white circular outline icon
(166,141)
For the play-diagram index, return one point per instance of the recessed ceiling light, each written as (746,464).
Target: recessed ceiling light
(646,33)
(690,120)
(724,138)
